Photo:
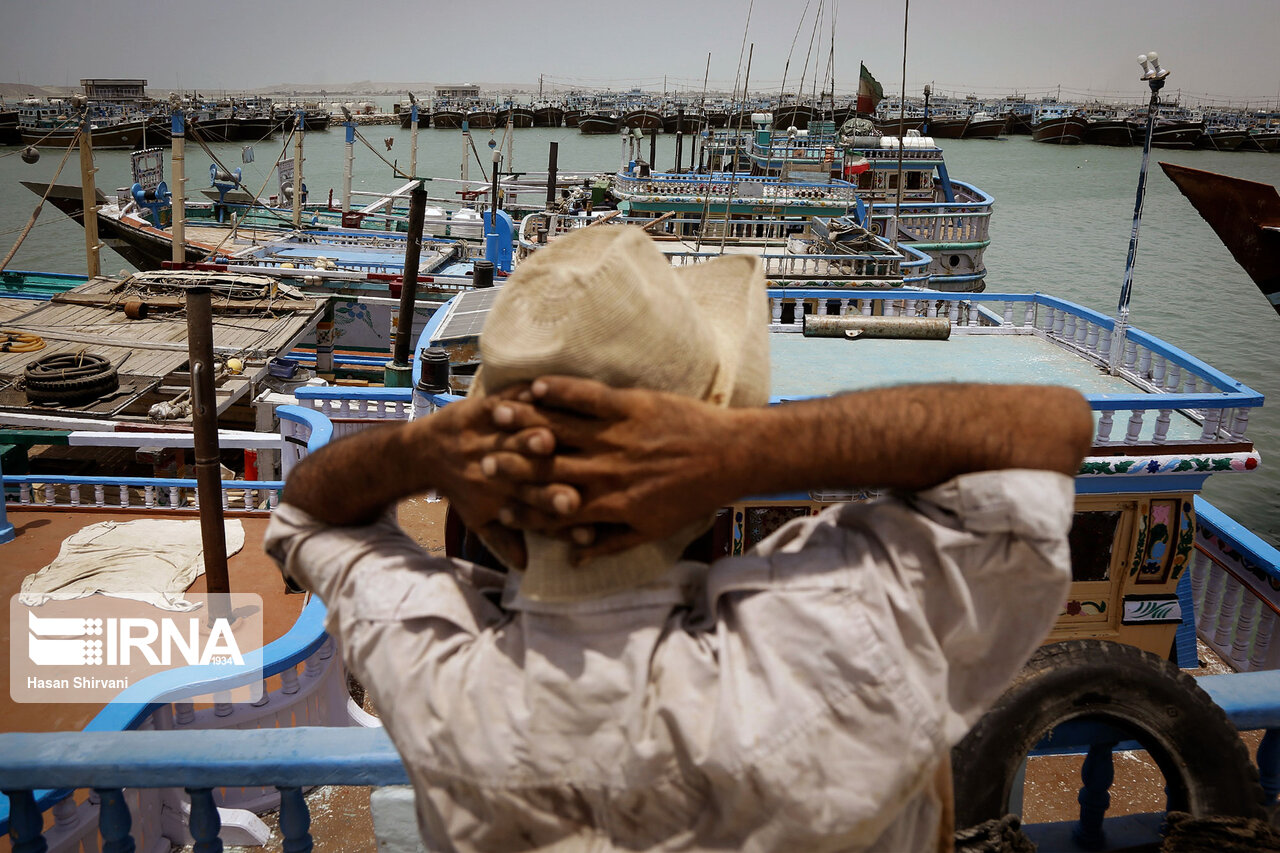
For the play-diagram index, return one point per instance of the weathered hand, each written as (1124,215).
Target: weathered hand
(467,431)
(644,463)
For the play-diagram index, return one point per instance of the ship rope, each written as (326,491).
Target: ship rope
(35,214)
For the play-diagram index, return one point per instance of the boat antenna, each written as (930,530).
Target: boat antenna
(733,176)
(1155,77)
(902,123)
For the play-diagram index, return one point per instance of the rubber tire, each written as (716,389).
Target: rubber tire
(1206,767)
(45,389)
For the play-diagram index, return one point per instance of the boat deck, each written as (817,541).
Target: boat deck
(38,537)
(146,351)
(807,367)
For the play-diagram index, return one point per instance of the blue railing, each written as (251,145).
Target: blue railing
(135,705)
(297,758)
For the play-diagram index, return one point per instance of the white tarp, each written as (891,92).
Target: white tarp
(147,560)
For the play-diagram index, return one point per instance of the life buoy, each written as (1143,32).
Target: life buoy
(1205,765)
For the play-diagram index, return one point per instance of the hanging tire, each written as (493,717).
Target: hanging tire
(1206,767)
(70,378)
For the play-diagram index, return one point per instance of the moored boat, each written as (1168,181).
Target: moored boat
(599,122)
(1059,125)
(983,125)
(1109,131)
(945,126)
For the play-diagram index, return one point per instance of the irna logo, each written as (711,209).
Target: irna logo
(163,641)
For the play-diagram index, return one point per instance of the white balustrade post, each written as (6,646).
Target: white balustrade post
(1161,434)
(775,305)
(1212,421)
(1105,423)
(1158,367)
(1262,640)
(1069,327)
(1239,424)
(1135,427)
(1211,608)
(1222,635)
(1240,644)
(1029,315)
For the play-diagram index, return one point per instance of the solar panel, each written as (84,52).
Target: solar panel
(467,315)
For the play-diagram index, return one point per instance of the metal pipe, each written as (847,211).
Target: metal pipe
(409,290)
(413,136)
(178,130)
(1155,79)
(88,196)
(552,157)
(679,136)
(653,149)
(204,424)
(913,328)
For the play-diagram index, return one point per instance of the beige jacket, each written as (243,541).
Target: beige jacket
(801,697)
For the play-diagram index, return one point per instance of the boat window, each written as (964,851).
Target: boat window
(1092,540)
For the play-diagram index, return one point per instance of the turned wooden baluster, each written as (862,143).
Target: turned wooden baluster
(25,823)
(205,823)
(114,821)
(295,821)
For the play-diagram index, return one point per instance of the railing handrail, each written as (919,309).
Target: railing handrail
(1261,554)
(343,392)
(311,755)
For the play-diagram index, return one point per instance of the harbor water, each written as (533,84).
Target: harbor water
(1061,226)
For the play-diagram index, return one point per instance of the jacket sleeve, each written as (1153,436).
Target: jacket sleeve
(389,603)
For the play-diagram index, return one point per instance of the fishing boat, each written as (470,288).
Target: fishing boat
(945,126)
(1111,130)
(1058,124)
(945,218)
(548,115)
(516,115)
(790,112)
(599,122)
(1222,137)
(55,123)
(984,125)
(642,116)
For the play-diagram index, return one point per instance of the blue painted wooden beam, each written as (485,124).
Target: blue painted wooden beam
(288,757)
(1251,699)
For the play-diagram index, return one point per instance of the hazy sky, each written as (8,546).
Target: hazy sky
(1216,49)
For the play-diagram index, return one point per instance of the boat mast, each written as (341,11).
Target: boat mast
(902,123)
(413,136)
(178,131)
(88,192)
(297,171)
(350,163)
(1155,77)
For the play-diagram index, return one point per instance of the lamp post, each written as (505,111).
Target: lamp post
(1155,77)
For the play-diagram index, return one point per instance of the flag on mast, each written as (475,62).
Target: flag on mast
(869,92)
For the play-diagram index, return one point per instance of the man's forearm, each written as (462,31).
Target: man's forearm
(353,480)
(911,437)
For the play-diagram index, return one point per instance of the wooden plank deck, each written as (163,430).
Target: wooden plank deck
(145,351)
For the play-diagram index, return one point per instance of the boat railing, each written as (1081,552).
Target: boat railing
(352,410)
(1166,380)
(122,766)
(1235,583)
(304,683)
(300,429)
(765,190)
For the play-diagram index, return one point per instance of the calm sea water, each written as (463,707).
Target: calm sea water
(1061,225)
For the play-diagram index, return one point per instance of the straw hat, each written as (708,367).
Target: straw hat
(604,303)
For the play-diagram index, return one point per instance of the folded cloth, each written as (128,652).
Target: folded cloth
(149,560)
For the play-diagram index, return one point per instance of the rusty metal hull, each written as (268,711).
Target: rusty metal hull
(1246,217)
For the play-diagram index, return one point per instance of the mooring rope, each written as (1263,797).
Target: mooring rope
(40,205)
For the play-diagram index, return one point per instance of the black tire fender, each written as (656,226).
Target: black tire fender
(1206,766)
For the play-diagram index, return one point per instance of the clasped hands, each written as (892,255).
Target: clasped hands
(602,468)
